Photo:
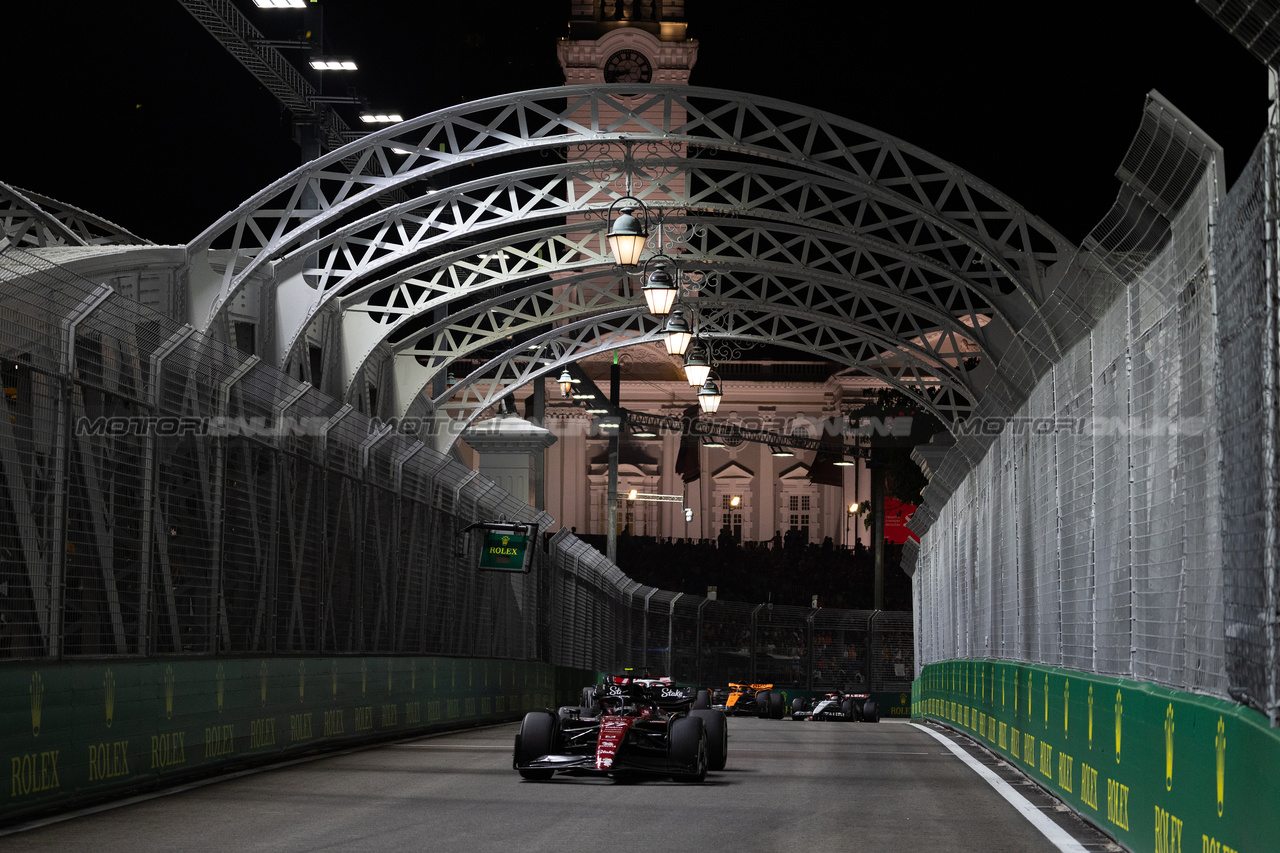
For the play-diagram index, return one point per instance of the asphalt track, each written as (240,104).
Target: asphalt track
(788,786)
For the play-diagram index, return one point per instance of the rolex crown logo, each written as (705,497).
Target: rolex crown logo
(1119,714)
(364,676)
(1168,748)
(1091,716)
(1220,747)
(168,692)
(1066,704)
(302,679)
(262,682)
(334,674)
(109,696)
(505,540)
(37,702)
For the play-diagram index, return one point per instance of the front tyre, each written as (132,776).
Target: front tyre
(717,726)
(777,705)
(702,700)
(536,738)
(798,707)
(687,747)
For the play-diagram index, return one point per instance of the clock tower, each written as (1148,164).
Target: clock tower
(627,41)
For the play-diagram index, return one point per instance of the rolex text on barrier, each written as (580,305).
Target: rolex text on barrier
(1157,769)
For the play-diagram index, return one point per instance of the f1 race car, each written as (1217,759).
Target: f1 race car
(758,700)
(625,727)
(850,707)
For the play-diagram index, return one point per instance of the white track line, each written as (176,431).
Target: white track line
(1056,834)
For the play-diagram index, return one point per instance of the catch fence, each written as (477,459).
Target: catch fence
(162,493)
(1134,535)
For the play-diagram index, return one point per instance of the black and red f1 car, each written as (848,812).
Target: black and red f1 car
(758,700)
(626,727)
(850,707)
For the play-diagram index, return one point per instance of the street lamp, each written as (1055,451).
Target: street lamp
(678,333)
(709,395)
(853,510)
(566,383)
(280,4)
(696,364)
(627,234)
(660,291)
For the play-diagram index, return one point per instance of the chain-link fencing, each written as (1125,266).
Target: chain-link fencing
(163,493)
(1123,521)
(605,621)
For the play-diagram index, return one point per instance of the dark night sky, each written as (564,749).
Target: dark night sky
(132,111)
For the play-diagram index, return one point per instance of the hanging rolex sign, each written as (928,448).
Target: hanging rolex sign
(505,547)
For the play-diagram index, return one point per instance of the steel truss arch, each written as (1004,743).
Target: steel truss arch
(483,206)
(797,180)
(31,220)
(498,377)
(871,321)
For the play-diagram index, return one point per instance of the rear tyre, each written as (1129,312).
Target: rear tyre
(687,746)
(536,739)
(717,726)
(871,711)
(777,705)
(702,700)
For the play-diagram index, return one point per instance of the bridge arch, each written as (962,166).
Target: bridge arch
(480,229)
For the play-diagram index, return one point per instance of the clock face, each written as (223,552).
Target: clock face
(628,66)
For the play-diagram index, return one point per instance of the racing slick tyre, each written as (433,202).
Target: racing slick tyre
(871,711)
(702,701)
(536,738)
(851,710)
(798,707)
(777,705)
(717,726)
(762,704)
(687,746)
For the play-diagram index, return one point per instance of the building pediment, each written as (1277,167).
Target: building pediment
(799,471)
(732,471)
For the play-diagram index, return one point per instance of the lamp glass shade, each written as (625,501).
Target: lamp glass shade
(566,382)
(626,239)
(709,396)
(660,292)
(679,335)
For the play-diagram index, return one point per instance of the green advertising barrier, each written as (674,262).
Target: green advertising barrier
(1157,769)
(73,733)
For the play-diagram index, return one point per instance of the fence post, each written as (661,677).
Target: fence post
(871,647)
(671,636)
(697,660)
(62,460)
(808,664)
